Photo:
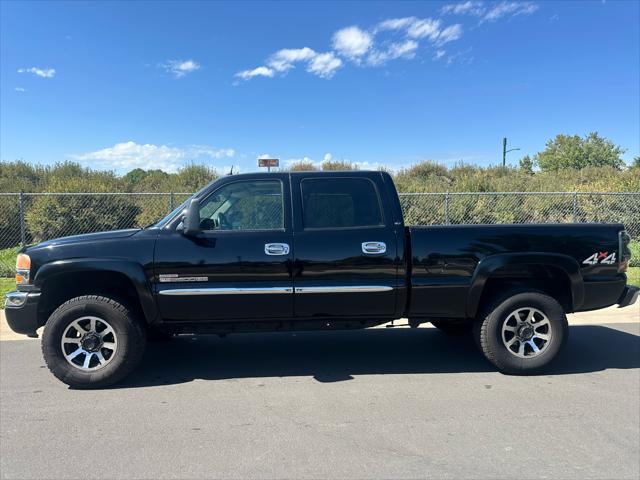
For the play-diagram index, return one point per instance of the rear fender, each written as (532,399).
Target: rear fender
(490,264)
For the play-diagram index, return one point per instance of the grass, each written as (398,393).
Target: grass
(8,261)
(634,246)
(7,272)
(633,276)
(6,285)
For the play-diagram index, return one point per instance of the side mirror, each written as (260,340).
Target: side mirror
(191,222)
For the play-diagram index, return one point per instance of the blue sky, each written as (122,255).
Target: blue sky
(159,84)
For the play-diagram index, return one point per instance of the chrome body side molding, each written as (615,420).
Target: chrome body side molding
(226,291)
(276,290)
(344,289)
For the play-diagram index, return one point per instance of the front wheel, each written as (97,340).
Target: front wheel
(523,333)
(92,342)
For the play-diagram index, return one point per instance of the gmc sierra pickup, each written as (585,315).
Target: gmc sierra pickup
(310,251)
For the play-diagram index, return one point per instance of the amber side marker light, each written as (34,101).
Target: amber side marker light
(23,266)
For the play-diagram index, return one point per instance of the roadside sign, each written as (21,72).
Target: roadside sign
(268,162)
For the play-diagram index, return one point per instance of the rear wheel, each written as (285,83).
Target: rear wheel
(522,333)
(92,342)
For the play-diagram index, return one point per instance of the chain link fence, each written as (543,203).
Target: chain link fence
(33,217)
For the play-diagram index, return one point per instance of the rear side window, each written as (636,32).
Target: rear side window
(340,203)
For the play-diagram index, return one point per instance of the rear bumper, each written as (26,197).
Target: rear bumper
(21,310)
(629,296)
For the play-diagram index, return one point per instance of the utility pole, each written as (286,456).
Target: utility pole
(505,151)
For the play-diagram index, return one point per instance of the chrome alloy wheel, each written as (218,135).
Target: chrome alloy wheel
(526,332)
(89,343)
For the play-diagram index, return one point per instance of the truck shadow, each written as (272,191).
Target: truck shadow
(338,356)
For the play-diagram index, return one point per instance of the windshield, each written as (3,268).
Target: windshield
(164,220)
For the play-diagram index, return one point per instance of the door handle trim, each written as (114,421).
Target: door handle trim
(276,248)
(374,248)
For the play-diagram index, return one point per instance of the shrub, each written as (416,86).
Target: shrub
(51,216)
(58,216)
(635,253)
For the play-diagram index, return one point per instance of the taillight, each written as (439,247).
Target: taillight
(23,267)
(624,239)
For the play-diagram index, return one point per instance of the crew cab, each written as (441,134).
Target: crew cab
(310,251)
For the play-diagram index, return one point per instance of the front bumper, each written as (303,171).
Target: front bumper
(629,296)
(21,310)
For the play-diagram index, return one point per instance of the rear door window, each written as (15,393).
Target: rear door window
(340,203)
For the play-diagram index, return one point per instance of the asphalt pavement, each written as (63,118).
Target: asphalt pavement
(380,403)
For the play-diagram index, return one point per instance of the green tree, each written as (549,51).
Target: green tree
(575,152)
(636,162)
(526,164)
(193,177)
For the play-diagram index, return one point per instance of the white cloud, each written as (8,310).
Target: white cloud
(509,8)
(352,42)
(490,13)
(463,57)
(129,155)
(449,34)
(439,54)
(180,68)
(39,72)
(466,8)
(424,28)
(324,65)
(327,157)
(395,23)
(284,60)
(406,49)
(20,89)
(256,72)
(390,39)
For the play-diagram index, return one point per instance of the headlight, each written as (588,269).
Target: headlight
(23,267)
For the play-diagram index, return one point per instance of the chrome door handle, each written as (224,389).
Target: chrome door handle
(373,248)
(276,248)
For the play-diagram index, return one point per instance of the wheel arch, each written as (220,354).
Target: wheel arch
(62,280)
(555,274)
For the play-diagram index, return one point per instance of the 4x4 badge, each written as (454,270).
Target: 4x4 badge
(600,257)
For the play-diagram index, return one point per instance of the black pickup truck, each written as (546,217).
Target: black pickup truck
(310,251)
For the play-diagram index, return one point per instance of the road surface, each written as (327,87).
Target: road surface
(380,403)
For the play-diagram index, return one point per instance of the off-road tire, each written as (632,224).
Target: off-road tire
(128,329)
(489,324)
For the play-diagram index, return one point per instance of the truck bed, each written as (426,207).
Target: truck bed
(449,262)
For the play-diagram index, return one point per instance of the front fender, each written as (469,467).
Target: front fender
(132,270)
(489,264)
